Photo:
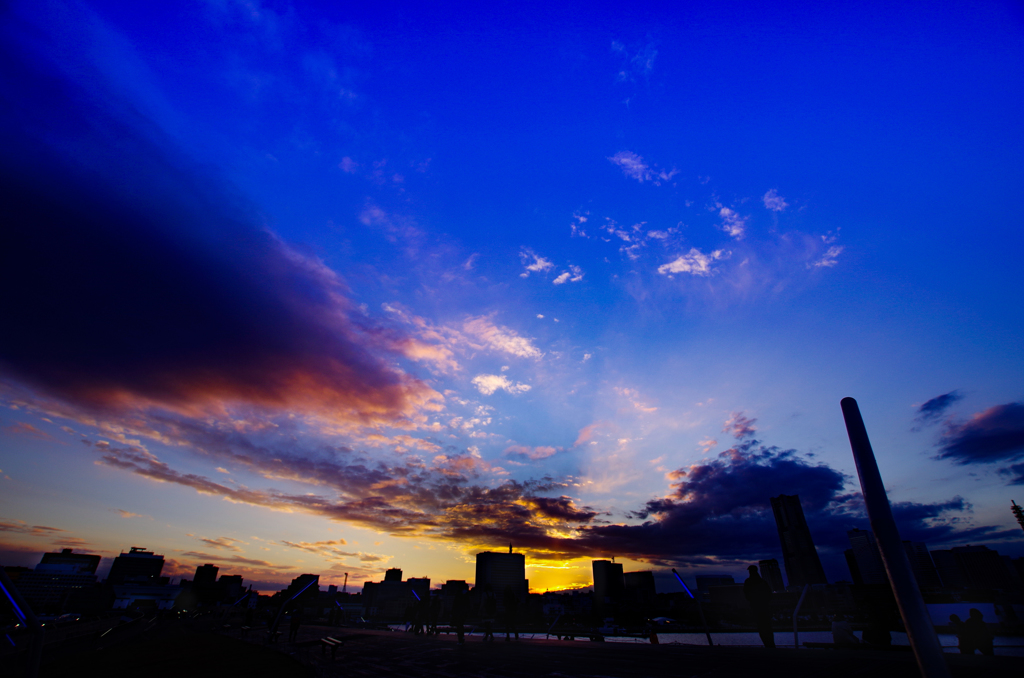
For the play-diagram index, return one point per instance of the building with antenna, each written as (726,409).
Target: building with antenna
(798,553)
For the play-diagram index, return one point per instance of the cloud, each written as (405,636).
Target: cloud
(226,543)
(144,280)
(533,262)
(531,453)
(19,527)
(632,165)
(997,434)
(574,274)
(932,410)
(500,338)
(733,223)
(129,514)
(489,383)
(829,259)
(22,428)
(739,426)
(241,560)
(774,201)
(693,262)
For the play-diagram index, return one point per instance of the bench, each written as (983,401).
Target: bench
(332,643)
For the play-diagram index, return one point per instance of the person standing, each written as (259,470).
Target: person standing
(978,632)
(759,596)
(460,610)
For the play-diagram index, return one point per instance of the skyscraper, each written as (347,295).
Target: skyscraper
(801,558)
(138,566)
(498,571)
(609,584)
(868,557)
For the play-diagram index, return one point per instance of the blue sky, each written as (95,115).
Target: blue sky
(328,289)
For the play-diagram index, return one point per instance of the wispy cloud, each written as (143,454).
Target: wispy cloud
(932,410)
(225,543)
(634,167)
(574,274)
(739,426)
(500,338)
(774,201)
(732,223)
(531,453)
(693,262)
(829,259)
(533,262)
(489,383)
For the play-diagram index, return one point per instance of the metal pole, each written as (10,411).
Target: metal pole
(796,634)
(700,610)
(908,596)
(28,618)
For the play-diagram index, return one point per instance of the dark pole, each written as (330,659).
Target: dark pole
(908,597)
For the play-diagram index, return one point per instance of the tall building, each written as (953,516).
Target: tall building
(869,559)
(609,584)
(206,575)
(392,599)
(83,562)
(801,558)
(640,590)
(393,574)
(772,573)
(498,571)
(975,567)
(851,562)
(58,580)
(136,566)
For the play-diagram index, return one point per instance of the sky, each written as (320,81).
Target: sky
(310,287)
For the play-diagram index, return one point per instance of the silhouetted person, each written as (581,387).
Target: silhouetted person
(511,613)
(963,638)
(490,612)
(435,612)
(293,626)
(758,593)
(460,610)
(978,632)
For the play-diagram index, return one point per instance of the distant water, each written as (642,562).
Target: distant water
(1007,646)
(1004,645)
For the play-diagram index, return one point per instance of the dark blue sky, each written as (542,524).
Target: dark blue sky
(431,277)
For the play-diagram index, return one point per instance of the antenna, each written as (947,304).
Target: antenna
(510,547)
(344,587)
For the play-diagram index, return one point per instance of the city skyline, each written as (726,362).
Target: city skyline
(301,288)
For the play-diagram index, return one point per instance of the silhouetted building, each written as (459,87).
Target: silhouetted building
(640,592)
(801,558)
(975,567)
(869,559)
(921,563)
(609,585)
(950,573)
(137,566)
(393,574)
(705,582)
(499,571)
(391,599)
(206,575)
(230,587)
(772,573)
(84,562)
(57,579)
(851,562)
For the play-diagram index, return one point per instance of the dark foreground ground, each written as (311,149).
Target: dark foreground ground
(190,650)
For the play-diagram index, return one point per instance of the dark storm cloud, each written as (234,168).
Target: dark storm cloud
(932,410)
(131,276)
(719,509)
(997,434)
